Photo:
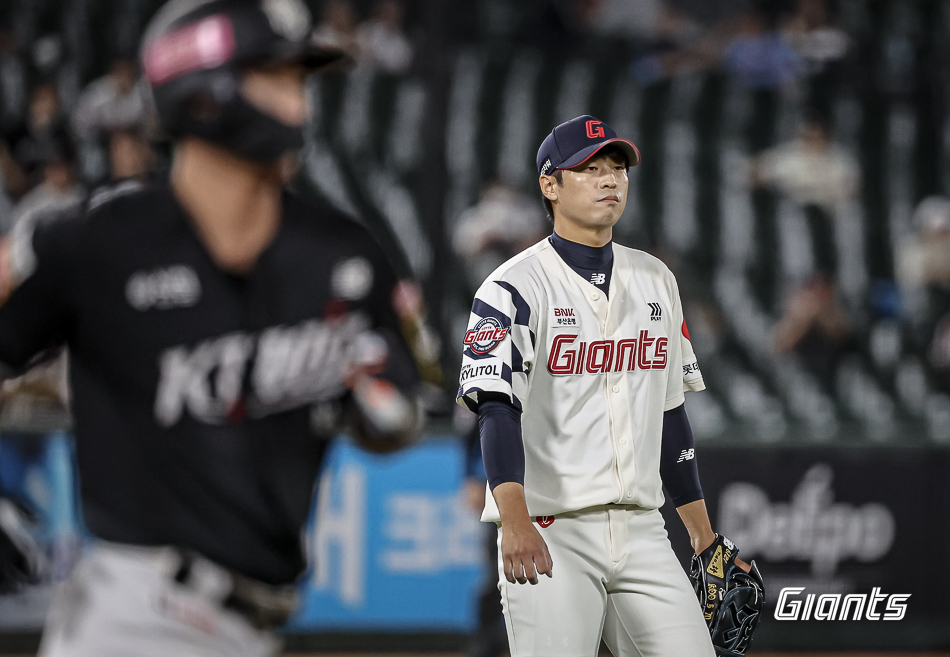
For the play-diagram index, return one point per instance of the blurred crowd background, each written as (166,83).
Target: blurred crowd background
(794,177)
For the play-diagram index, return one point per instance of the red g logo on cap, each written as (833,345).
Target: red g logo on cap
(594,129)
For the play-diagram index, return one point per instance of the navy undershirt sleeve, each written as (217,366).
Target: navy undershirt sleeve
(678,458)
(499,424)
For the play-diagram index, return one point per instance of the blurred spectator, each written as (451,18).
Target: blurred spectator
(46,54)
(130,154)
(6,205)
(810,169)
(13,183)
(821,47)
(28,144)
(758,56)
(59,190)
(381,40)
(760,60)
(338,29)
(628,19)
(923,269)
(816,327)
(939,353)
(924,258)
(502,224)
(116,100)
(816,173)
(563,29)
(12,81)
(667,52)
(817,42)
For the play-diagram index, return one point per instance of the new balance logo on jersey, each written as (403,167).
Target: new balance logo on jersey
(603,356)
(656,313)
(598,279)
(686,455)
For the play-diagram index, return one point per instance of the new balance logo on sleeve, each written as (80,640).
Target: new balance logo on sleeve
(686,455)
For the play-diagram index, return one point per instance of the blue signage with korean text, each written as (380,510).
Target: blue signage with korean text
(398,548)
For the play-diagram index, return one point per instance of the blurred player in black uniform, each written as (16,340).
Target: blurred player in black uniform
(219,330)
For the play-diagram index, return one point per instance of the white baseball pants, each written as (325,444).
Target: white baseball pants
(615,575)
(123,601)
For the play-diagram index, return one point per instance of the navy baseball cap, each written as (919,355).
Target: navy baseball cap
(576,141)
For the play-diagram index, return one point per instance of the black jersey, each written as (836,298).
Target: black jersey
(200,397)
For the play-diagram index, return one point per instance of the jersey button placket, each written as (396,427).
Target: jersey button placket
(611,399)
(616,388)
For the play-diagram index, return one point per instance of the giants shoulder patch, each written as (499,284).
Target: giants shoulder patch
(487,334)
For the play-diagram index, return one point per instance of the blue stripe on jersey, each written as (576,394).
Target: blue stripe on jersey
(473,406)
(517,360)
(522,311)
(482,309)
(506,373)
(522,314)
(471,354)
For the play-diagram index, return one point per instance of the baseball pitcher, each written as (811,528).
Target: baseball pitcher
(576,359)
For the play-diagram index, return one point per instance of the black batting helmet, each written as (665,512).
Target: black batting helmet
(192,54)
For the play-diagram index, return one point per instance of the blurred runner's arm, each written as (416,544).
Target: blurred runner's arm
(34,289)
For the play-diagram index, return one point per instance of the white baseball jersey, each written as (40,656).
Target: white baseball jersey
(592,373)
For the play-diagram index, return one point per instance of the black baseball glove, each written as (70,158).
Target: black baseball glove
(731,599)
(21,560)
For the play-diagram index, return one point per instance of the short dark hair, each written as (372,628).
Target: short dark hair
(610,151)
